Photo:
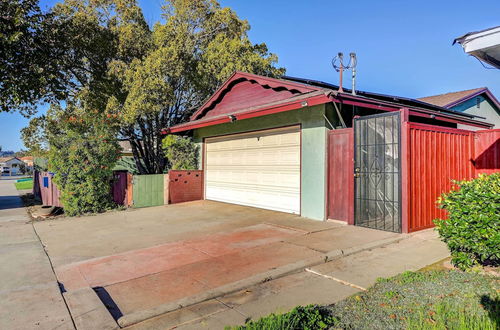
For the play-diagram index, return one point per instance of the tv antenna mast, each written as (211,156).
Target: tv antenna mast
(338,65)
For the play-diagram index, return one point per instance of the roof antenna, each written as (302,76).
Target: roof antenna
(352,64)
(341,67)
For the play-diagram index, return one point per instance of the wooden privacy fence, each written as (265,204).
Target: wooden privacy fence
(177,186)
(438,155)
(134,190)
(148,190)
(45,189)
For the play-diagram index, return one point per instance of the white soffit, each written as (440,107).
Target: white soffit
(484,45)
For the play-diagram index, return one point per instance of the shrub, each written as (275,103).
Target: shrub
(472,230)
(83,151)
(181,152)
(310,317)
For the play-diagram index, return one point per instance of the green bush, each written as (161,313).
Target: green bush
(472,230)
(181,152)
(310,317)
(83,151)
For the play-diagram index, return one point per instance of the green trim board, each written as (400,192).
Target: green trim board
(314,130)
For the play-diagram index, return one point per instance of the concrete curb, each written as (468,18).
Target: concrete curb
(275,273)
(88,311)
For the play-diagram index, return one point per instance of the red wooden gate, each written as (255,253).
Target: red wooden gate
(340,175)
(119,187)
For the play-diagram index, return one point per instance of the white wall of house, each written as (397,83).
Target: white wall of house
(11,166)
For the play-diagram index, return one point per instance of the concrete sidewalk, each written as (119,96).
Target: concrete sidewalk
(29,294)
(324,284)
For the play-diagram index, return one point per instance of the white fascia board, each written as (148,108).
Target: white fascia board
(485,45)
(480,41)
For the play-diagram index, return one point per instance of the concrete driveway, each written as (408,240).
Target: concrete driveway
(146,262)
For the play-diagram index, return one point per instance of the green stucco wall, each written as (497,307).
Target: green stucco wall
(314,139)
(486,109)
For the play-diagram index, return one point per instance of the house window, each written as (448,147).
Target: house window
(478,102)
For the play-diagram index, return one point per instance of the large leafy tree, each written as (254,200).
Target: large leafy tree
(25,57)
(78,135)
(198,47)
(149,78)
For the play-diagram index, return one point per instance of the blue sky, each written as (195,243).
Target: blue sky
(403,47)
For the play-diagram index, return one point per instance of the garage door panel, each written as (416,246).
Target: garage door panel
(260,169)
(273,179)
(257,156)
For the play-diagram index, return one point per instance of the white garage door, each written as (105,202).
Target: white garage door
(260,169)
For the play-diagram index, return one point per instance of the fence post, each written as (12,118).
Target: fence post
(166,195)
(405,170)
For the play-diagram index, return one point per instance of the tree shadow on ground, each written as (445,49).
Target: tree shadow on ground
(10,202)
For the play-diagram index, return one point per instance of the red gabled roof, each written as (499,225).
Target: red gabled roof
(295,102)
(449,100)
(244,90)
(246,95)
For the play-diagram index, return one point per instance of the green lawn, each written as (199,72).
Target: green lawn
(412,300)
(24,185)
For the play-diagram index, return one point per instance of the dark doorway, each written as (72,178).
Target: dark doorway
(377,202)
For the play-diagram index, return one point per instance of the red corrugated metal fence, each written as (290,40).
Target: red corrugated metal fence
(487,151)
(438,155)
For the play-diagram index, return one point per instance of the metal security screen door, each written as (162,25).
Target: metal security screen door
(377,172)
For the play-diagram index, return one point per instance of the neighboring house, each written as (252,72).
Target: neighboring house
(484,45)
(126,161)
(126,148)
(10,165)
(478,102)
(29,161)
(301,146)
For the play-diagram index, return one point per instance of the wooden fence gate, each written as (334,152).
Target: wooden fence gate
(340,175)
(148,190)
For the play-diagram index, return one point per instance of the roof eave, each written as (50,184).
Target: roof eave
(468,97)
(327,98)
(427,113)
(265,110)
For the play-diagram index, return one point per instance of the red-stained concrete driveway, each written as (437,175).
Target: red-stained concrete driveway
(139,259)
